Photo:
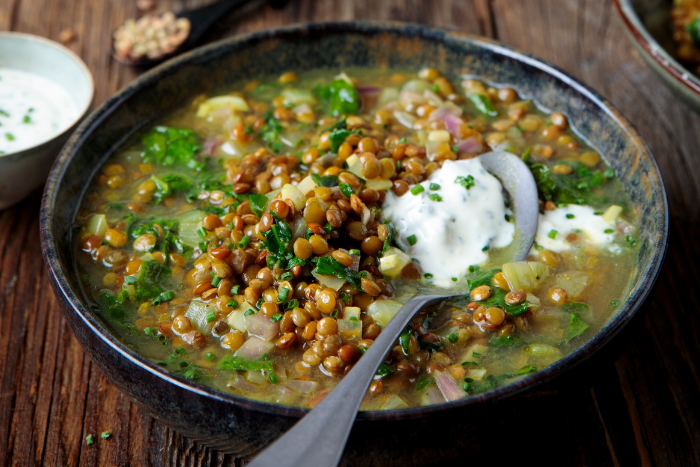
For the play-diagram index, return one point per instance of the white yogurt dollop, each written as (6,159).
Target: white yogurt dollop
(555,226)
(33,109)
(456,232)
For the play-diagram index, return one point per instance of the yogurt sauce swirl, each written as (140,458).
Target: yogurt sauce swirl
(453,222)
(33,109)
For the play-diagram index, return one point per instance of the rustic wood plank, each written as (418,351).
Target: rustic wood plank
(641,412)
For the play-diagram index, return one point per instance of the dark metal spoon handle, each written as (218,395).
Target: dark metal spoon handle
(319,438)
(202,18)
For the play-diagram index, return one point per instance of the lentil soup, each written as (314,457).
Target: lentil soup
(259,239)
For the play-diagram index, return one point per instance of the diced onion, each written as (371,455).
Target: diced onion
(298,96)
(573,282)
(394,402)
(612,213)
(405,118)
(525,275)
(306,185)
(97,225)
(416,85)
(439,136)
(379,184)
(293,193)
(197,314)
(393,261)
(382,311)
(234,102)
(333,282)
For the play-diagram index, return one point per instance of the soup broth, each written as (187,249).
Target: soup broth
(259,239)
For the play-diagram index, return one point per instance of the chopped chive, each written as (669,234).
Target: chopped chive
(608,231)
(235,290)
(249,312)
(434,186)
(211,316)
(427,275)
(353,318)
(402,141)
(614,303)
(216,281)
(232,303)
(273,378)
(105,434)
(452,338)
(455,149)
(276,317)
(412,239)
(3,113)
(552,234)
(467,182)
(334,313)
(354,252)
(282,294)
(244,242)
(476,355)
(203,246)
(418,189)
(201,232)
(598,213)
(539,247)
(454,279)
(89,439)
(9,136)
(26,119)
(570,216)
(259,303)
(210,357)
(435,197)
(436,88)
(344,297)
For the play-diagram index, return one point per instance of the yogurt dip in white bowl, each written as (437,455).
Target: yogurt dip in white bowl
(45,89)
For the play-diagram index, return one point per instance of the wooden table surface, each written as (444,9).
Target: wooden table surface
(643,411)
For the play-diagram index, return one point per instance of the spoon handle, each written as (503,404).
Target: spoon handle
(319,438)
(203,17)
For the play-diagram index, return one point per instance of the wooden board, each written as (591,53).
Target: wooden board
(644,411)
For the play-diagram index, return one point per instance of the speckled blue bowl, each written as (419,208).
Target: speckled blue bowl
(243,426)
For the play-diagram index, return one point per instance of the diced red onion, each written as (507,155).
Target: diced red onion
(448,386)
(210,146)
(302,386)
(470,145)
(254,349)
(261,326)
(369,90)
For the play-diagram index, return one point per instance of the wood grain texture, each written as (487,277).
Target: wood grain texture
(643,411)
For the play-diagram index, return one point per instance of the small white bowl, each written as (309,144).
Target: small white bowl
(23,171)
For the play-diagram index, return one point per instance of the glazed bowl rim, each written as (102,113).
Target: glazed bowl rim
(653,49)
(82,110)
(60,273)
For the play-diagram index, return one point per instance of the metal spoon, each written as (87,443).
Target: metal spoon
(201,19)
(333,418)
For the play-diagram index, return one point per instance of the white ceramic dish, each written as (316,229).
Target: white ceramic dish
(23,171)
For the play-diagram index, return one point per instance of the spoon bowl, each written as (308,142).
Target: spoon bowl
(333,418)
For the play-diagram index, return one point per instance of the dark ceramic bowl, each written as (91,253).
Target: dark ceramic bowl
(649,26)
(243,426)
